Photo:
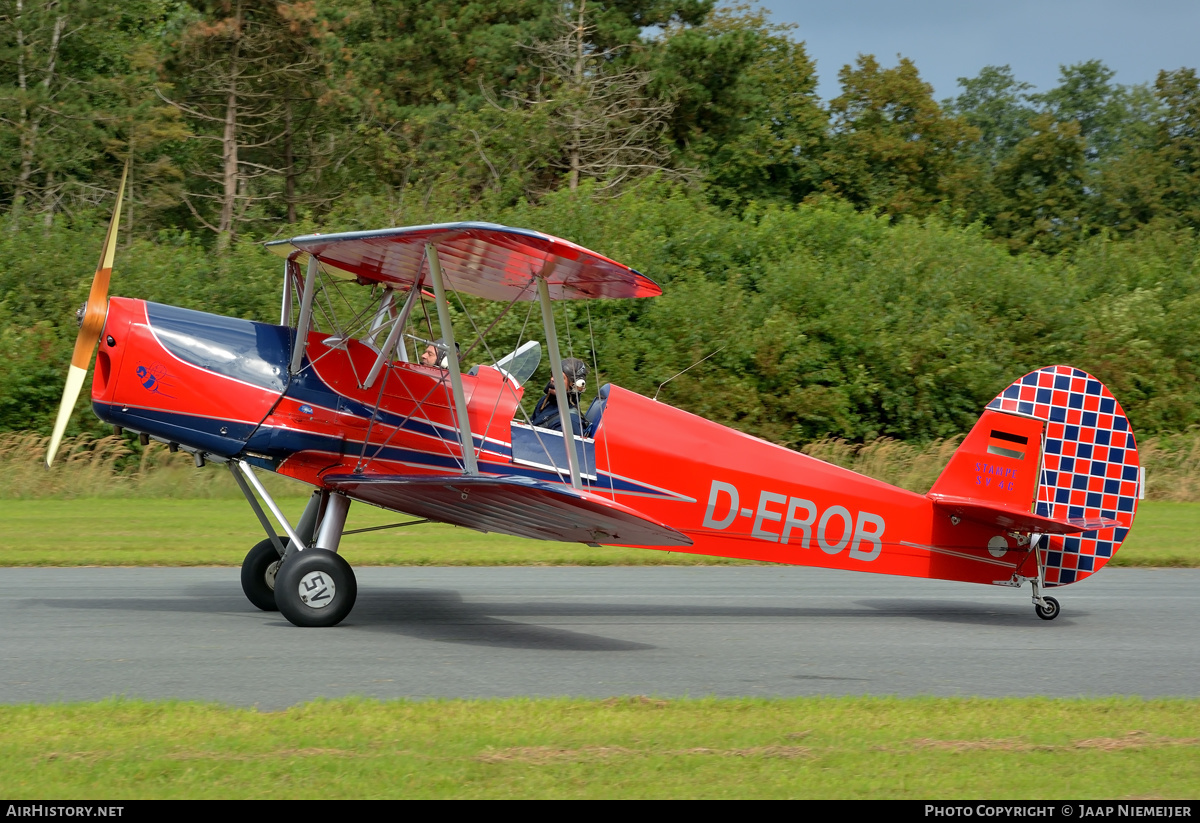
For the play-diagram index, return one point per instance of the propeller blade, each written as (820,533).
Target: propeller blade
(95,310)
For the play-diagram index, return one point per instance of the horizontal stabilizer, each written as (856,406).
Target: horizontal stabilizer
(513,505)
(1014,519)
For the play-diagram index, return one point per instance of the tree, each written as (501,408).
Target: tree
(1041,188)
(392,55)
(892,148)
(999,106)
(1178,143)
(72,76)
(37,31)
(599,119)
(471,101)
(1153,174)
(1086,95)
(238,71)
(746,108)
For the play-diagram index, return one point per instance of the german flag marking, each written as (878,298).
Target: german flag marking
(1004,448)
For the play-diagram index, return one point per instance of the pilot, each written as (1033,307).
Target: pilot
(436,354)
(545,413)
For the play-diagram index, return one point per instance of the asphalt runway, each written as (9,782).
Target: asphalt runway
(90,633)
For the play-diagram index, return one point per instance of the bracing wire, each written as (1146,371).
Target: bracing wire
(612,490)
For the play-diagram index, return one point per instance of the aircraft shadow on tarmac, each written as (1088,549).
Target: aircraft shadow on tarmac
(443,615)
(1014,615)
(405,609)
(425,614)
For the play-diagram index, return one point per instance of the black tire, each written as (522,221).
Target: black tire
(1050,611)
(258,576)
(315,588)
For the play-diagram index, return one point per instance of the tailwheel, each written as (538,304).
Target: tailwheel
(315,588)
(1049,611)
(258,575)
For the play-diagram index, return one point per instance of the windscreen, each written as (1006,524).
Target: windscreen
(522,363)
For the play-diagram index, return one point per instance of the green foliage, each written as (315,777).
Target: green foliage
(998,105)
(1178,143)
(242,115)
(1040,188)
(1086,96)
(824,320)
(1084,158)
(746,109)
(893,148)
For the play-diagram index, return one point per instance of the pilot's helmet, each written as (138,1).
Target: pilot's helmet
(576,371)
(443,352)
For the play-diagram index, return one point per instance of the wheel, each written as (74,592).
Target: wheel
(258,575)
(1049,611)
(315,588)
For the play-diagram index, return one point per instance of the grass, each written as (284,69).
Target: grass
(935,748)
(219,532)
(1164,533)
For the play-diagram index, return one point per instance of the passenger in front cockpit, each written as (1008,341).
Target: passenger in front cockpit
(545,413)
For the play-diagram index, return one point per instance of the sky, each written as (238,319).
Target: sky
(948,39)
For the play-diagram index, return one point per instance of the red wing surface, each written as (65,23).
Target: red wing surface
(511,505)
(483,259)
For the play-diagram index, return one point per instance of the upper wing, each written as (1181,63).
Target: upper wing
(511,505)
(483,259)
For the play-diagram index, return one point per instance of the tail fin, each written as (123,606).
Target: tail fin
(1053,454)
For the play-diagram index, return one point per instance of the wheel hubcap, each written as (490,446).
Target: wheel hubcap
(269,577)
(316,589)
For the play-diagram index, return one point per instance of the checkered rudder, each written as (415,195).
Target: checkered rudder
(1089,469)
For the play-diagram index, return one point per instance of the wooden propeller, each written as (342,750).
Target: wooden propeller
(94,313)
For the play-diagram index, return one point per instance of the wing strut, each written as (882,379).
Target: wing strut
(560,386)
(466,442)
(394,337)
(310,284)
(285,309)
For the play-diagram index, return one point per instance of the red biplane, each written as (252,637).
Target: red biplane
(1044,488)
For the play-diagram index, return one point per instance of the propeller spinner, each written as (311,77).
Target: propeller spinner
(93,314)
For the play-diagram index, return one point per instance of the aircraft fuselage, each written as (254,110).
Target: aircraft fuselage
(220,386)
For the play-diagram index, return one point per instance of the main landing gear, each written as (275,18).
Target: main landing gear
(316,588)
(301,576)
(259,571)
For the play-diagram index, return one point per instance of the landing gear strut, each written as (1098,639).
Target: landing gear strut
(301,575)
(1047,608)
(262,563)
